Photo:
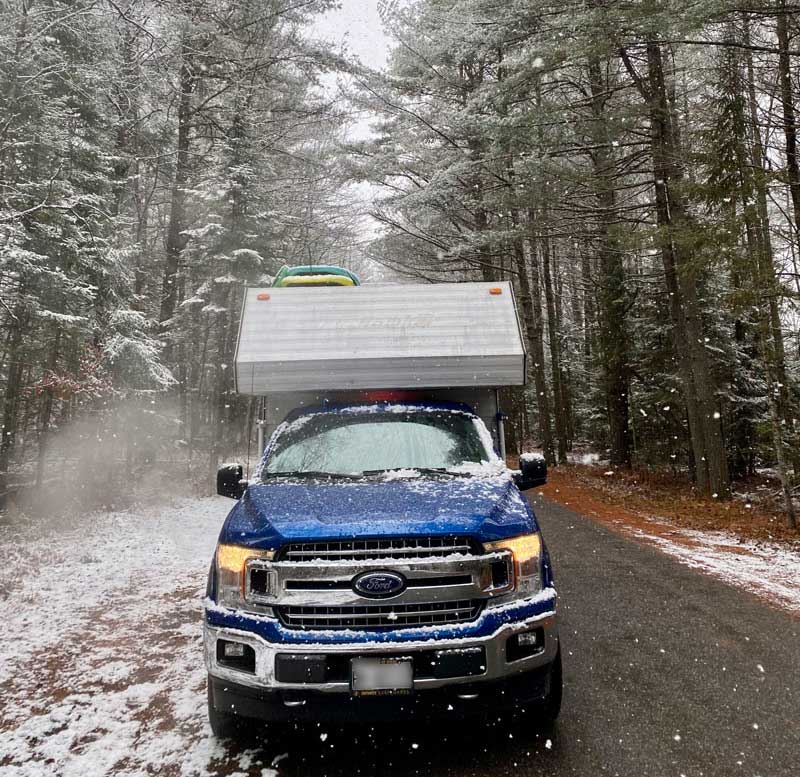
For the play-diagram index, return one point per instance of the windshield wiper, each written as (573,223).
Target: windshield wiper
(311,473)
(421,470)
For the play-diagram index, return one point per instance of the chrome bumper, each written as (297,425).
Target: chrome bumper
(495,645)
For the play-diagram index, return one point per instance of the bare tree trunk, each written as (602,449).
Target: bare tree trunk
(588,308)
(769,286)
(196,404)
(743,266)
(532,314)
(613,334)
(789,115)
(555,346)
(699,389)
(766,254)
(176,239)
(11,403)
(46,412)
(488,272)
(780,459)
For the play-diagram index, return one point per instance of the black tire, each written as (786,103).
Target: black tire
(224,725)
(550,706)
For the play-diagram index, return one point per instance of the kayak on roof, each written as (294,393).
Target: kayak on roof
(315,275)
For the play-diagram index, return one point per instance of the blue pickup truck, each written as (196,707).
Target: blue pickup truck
(382,559)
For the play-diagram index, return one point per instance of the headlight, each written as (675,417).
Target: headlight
(526,551)
(233,562)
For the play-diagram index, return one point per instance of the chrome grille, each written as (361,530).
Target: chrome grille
(366,550)
(380,616)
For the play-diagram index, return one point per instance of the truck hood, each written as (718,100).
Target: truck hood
(273,513)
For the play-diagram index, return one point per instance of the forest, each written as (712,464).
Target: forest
(631,167)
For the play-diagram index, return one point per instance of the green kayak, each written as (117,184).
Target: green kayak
(315,275)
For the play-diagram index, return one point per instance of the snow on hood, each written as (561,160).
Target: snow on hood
(486,508)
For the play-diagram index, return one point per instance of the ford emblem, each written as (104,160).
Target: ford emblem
(379,585)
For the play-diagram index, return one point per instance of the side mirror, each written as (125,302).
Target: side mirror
(532,471)
(230,481)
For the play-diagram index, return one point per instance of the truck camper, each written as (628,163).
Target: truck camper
(382,561)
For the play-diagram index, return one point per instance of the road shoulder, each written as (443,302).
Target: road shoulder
(766,567)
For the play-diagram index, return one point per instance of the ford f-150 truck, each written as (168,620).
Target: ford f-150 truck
(382,560)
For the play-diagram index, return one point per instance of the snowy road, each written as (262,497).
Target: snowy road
(668,672)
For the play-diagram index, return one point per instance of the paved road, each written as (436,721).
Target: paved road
(666,673)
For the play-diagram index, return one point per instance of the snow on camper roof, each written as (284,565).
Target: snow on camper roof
(383,336)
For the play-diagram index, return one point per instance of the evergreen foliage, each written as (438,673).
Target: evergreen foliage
(629,167)
(632,167)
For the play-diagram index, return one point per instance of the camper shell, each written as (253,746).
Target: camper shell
(448,335)
(458,342)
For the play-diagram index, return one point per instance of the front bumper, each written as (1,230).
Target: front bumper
(460,701)
(491,634)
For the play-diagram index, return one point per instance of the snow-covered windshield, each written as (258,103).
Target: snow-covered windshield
(356,444)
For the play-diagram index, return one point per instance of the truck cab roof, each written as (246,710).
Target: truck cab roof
(382,406)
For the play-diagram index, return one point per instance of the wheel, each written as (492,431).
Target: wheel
(225,725)
(550,706)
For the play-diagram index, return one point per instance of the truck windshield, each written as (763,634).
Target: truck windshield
(348,444)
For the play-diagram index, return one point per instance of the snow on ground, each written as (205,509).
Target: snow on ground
(588,459)
(58,577)
(101,669)
(767,569)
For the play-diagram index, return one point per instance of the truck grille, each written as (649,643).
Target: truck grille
(366,550)
(380,616)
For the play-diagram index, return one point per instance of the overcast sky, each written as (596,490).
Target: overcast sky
(357,25)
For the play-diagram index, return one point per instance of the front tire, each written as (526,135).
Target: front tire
(224,725)
(550,706)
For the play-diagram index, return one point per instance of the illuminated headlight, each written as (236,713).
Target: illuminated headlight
(237,569)
(526,551)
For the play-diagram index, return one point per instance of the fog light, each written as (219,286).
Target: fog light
(236,655)
(233,650)
(525,644)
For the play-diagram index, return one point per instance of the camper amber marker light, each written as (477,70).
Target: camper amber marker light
(262,296)
(495,291)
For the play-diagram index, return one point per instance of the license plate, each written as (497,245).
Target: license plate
(381,676)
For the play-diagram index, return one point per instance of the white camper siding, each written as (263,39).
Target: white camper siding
(367,337)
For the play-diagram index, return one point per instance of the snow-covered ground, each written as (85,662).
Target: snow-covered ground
(101,668)
(585,458)
(766,569)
